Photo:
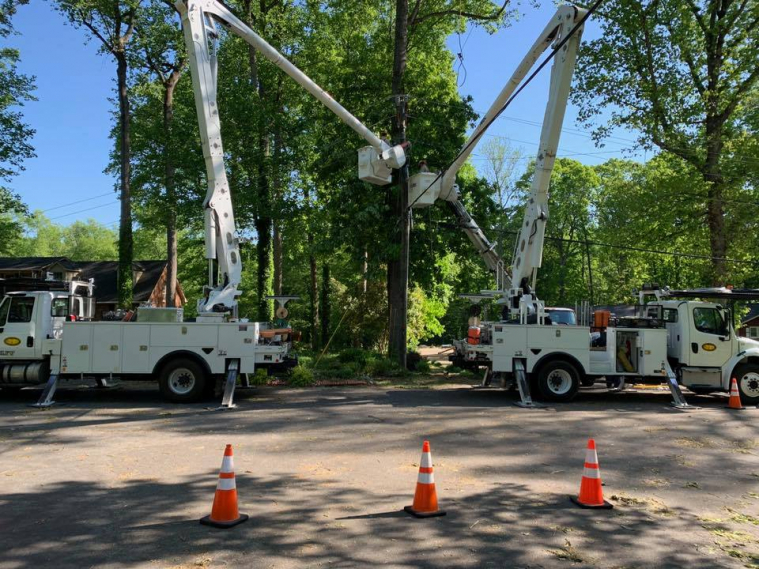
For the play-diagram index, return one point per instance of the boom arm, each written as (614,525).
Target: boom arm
(376,162)
(426,187)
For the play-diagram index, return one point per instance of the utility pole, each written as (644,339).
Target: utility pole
(397,270)
(399,302)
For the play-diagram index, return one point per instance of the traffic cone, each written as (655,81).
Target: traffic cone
(425,497)
(735,396)
(591,492)
(224,513)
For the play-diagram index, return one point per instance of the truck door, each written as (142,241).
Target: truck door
(18,336)
(710,341)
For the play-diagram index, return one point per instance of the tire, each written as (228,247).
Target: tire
(182,380)
(558,381)
(747,376)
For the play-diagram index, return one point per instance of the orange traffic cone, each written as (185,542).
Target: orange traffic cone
(735,396)
(425,497)
(224,513)
(591,493)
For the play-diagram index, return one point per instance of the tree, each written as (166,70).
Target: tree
(161,47)
(15,135)
(680,73)
(112,24)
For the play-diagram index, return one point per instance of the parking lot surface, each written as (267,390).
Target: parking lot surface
(116,478)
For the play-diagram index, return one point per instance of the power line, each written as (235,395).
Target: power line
(83,210)
(642,249)
(77,202)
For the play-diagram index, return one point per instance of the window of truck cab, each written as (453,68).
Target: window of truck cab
(59,307)
(4,310)
(709,321)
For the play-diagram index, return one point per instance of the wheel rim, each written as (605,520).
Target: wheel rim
(750,384)
(559,381)
(181,381)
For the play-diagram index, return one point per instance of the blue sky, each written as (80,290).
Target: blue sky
(73,114)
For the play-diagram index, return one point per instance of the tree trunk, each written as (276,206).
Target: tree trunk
(278,249)
(125,293)
(715,215)
(263,221)
(397,270)
(325,304)
(170,181)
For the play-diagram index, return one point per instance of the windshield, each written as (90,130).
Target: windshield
(21,309)
(562,317)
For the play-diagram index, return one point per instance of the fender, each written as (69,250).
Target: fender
(740,357)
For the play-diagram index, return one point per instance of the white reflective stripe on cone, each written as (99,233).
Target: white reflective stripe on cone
(592,473)
(426,478)
(226,484)
(426,460)
(591,456)
(228,464)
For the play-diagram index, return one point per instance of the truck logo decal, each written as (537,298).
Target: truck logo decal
(7,352)
(12,341)
(708,347)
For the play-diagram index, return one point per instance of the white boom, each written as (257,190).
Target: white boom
(528,254)
(376,162)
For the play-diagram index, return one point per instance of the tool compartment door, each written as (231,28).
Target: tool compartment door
(135,356)
(106,347)
(76,350)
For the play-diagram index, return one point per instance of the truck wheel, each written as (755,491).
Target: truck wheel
(182,380)
(558,381)
(747,376)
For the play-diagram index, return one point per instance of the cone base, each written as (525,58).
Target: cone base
(207,521)
(413,512)
(736,408)
(604,506)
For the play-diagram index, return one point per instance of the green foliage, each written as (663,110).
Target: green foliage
(683,76)
(300,377)
(423,366)
(260,377)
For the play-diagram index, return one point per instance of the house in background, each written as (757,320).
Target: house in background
(149,277)
(750,324)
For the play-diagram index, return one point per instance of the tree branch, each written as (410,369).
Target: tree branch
(690,62)
(470,15)
(90,26)
(739,92)
(414,12)
(698,15)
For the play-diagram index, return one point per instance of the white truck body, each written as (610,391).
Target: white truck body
(39,339)
(695,340)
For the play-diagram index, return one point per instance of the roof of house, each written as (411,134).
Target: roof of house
(105,274)
(34,263)
(753,312)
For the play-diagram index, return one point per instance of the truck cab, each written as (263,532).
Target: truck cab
(705,351)
(31,323)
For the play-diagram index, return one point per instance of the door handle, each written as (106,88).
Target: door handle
(694,347)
